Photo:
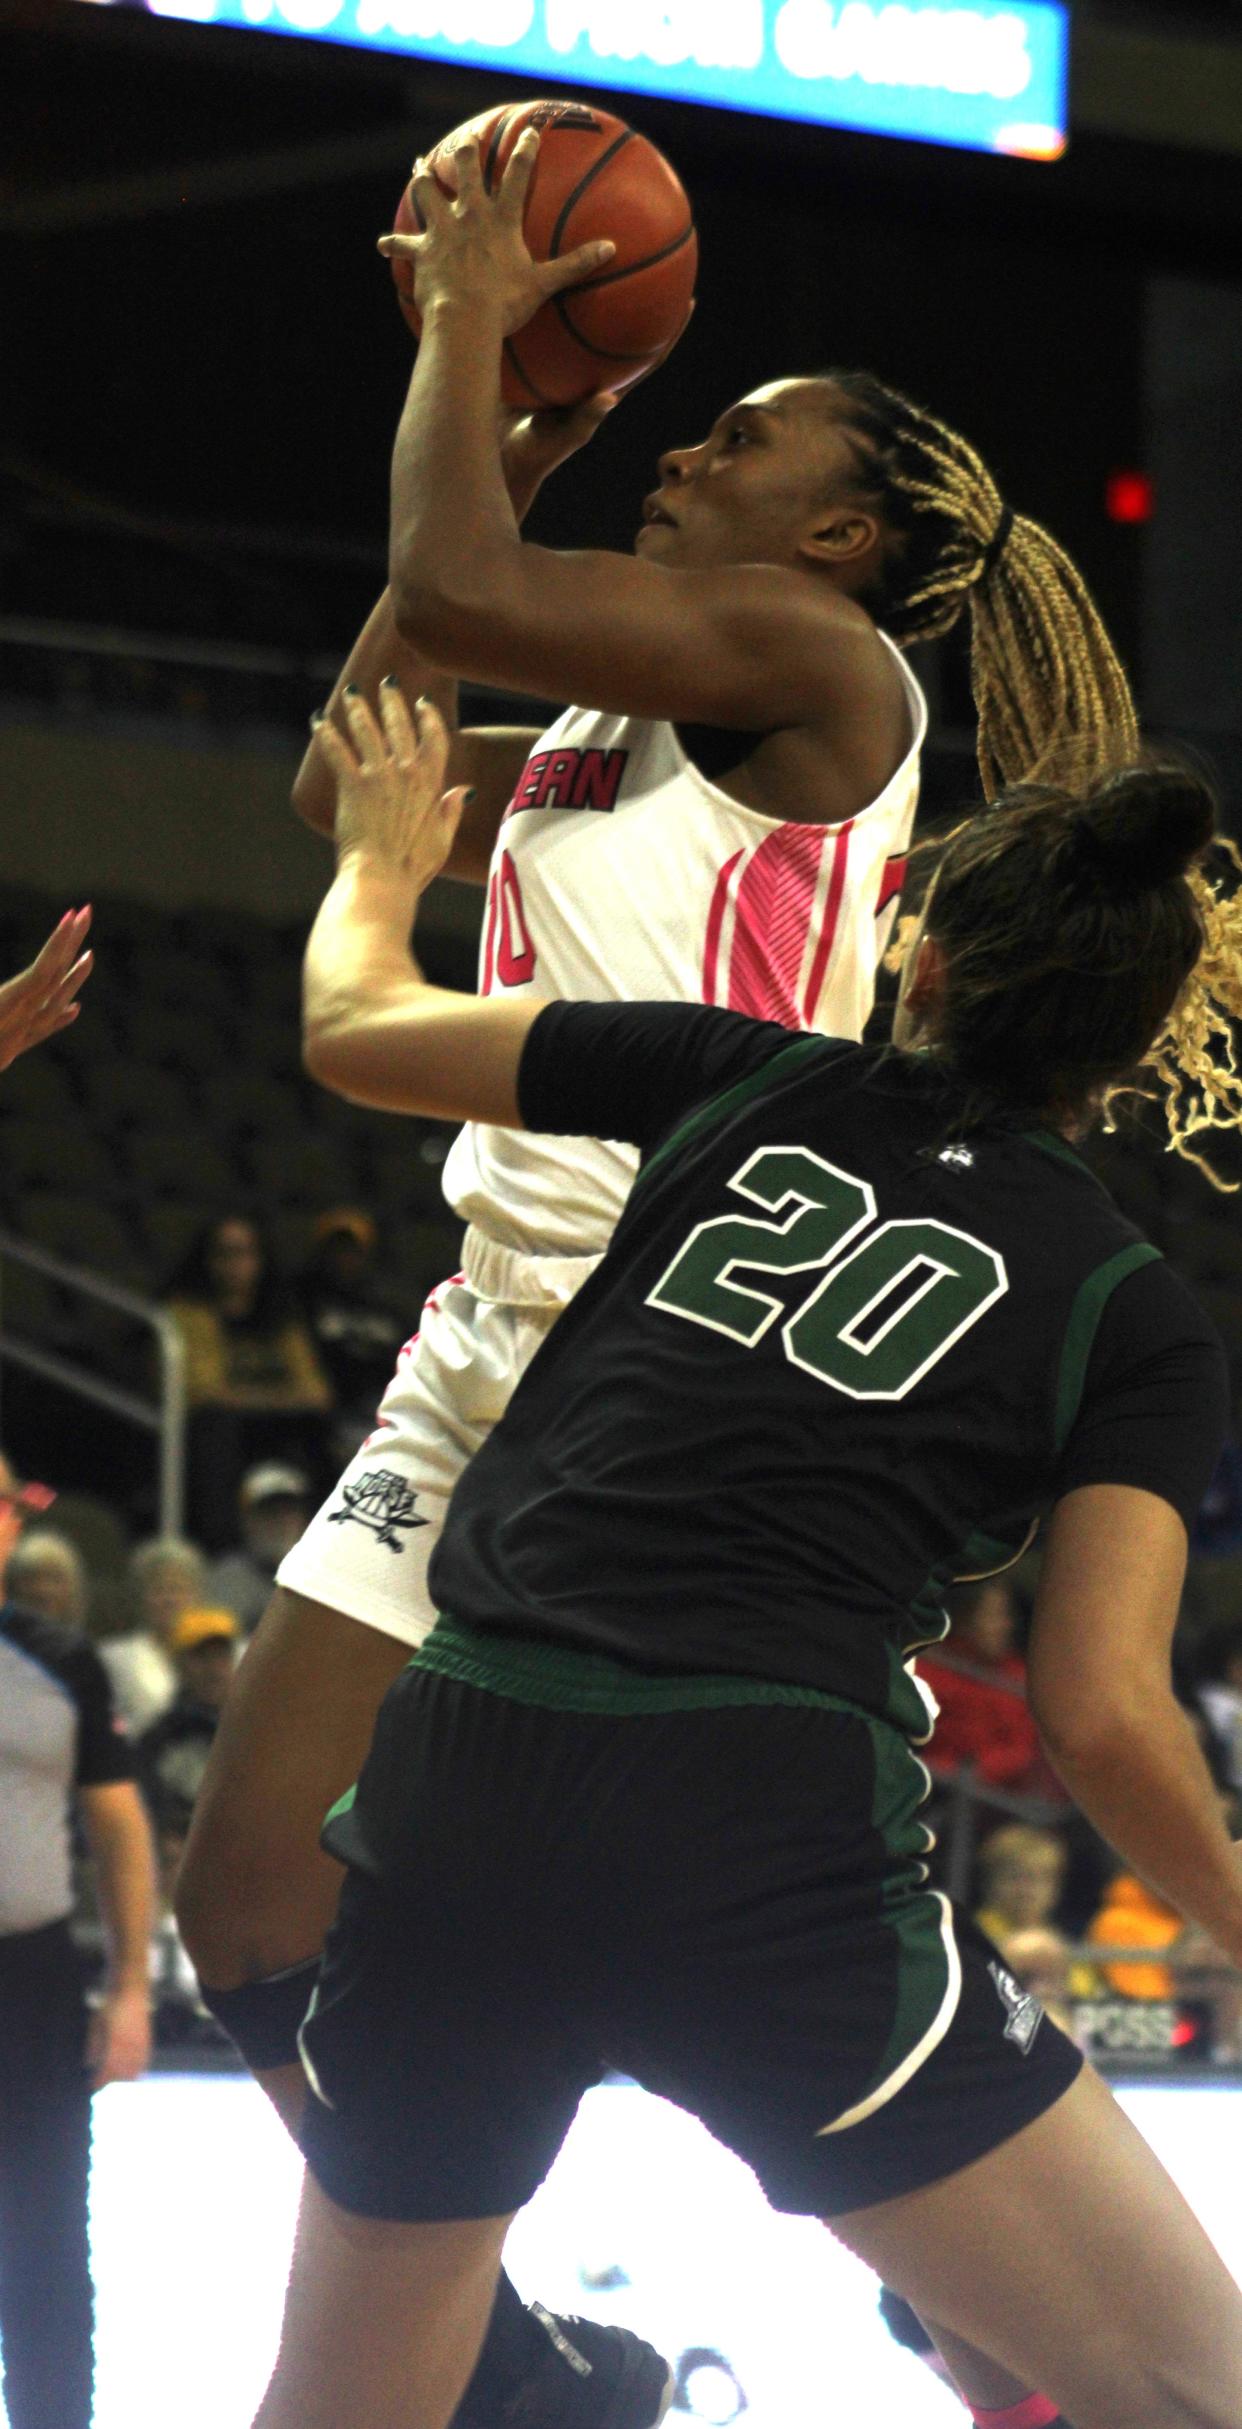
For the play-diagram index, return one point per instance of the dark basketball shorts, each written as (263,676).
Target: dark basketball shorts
(560,1867)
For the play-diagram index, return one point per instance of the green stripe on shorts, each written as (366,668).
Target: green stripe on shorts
(560,1678)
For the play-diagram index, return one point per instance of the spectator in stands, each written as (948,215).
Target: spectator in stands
(980,1687)
(276,1503)
(356,1328)
(172,1753)
(167,1575)
(1021,1873)
(61,1751)
(47,1574)
(1131,1915)
(1219,1696)
(253,1381)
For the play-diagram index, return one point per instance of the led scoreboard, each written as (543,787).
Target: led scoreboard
(991,78)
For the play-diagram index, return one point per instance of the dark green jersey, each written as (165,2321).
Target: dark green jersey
(837,1354)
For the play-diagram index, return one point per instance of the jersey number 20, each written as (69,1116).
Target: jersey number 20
(879,1317)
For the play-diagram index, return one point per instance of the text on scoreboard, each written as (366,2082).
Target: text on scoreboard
(988,78)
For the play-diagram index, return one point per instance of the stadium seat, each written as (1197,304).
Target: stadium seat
(31,1308)
(169,1227)
(38,1089)
(185,980)
(250,1101)
(303,1166)
(174,1039)
(123,1093)
(57,1155)
(181,1164)
(84,1233)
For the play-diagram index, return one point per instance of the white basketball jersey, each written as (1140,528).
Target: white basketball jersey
(621,873)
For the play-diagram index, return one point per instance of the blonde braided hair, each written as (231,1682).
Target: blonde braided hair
(1053,701)
(1045,676)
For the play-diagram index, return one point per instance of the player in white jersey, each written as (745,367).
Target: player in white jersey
(720,824)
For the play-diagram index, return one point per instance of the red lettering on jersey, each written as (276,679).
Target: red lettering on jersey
(515,954)
(570,780)
(892,880)
(553,788)
(598,780)
(528,783)
(489,947)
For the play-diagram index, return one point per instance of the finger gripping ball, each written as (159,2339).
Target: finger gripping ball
(593,177)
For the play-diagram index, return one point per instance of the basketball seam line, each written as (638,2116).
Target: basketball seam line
(610,354)
(524,375)
(608,278)
(588,178)
(498,136)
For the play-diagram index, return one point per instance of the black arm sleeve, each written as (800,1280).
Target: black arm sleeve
(104,1750)
(1155,1405)
(631,1071)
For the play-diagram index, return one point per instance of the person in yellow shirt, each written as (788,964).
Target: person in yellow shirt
(254,1386)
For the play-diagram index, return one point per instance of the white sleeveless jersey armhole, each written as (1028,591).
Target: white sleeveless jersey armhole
(621,873)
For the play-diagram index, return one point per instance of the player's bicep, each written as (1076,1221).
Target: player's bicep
(756,651)
(488,760)
(451,1058)
(1105,1611)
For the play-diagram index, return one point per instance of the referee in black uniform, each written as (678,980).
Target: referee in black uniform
(61,1746)
(649,1795)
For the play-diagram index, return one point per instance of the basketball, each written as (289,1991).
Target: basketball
(594,177)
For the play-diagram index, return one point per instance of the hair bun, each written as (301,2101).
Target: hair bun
(1146,825)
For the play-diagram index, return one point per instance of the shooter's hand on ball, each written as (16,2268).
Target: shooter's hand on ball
(473,250)
(391,808)
(42,999)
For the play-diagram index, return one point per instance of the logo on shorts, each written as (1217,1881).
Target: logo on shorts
(382,1501)
(1024,2014)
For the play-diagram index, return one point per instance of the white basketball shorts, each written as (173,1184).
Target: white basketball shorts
(366,1549)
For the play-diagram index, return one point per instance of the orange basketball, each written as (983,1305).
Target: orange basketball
(593,177)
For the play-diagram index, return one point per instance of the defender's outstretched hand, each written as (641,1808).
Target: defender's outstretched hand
(42,999)
(372,1028)
(390,802)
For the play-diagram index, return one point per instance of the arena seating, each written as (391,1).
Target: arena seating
(177,1093)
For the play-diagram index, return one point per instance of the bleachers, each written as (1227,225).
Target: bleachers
(179,1092)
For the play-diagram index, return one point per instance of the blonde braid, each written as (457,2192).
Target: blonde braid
(1049,688)
(1053,702)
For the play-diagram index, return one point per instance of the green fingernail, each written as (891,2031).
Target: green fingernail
(352,692)
(471,794)
(388,683)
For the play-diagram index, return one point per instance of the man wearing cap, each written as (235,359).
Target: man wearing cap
(172,1753)
(275,1503)
(61,1747)
(357,1330)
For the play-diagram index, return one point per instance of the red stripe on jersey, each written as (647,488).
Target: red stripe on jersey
(827,934)
(715,922)
(892,879)
(775,902)
(489,948)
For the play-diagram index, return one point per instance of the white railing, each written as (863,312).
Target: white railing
(163,1415)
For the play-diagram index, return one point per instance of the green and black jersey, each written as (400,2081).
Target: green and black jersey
(837,1354)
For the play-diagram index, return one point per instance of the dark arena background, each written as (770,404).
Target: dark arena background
(201,368)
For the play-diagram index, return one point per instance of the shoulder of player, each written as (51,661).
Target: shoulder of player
(781,602)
